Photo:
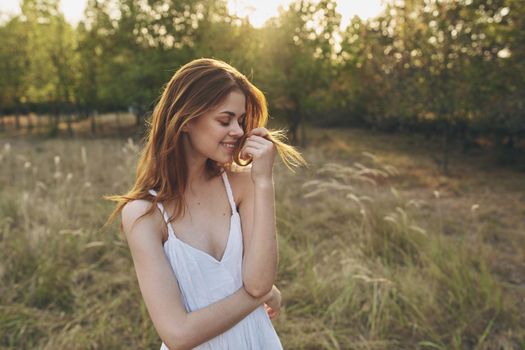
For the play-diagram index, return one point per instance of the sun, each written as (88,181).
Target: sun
(258,12)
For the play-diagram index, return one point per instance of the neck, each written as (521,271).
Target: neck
(196,165)
(197,173)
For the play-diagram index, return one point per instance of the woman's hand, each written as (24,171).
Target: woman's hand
(273,303)
(262,151)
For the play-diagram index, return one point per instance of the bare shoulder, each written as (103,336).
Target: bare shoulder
(133,210)
(241,182)
(157,282)
(135,218)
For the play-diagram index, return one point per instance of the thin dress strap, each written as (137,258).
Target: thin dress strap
(164,213)
(229,192)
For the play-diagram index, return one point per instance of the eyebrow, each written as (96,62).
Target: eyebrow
(231,114)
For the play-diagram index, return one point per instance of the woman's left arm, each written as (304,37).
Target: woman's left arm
(257,210)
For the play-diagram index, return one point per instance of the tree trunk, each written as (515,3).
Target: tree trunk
(38,124)
(29,122)
(93,122)
(446,148)
(139,116)
(56,121)
(293,131)
(17,118)
(70,124)
(303,140)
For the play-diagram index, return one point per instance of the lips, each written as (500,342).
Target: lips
(229,147)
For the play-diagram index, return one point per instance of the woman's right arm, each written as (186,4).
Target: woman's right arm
(176,327)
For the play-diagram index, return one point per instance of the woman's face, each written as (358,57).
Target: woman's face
(215,134)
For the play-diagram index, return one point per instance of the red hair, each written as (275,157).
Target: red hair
(195,89)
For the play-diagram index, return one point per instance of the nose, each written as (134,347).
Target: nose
(236,130)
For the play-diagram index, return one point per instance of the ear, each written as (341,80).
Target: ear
(186,127)
(188,124)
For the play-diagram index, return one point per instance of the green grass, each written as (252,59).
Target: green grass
(377,251)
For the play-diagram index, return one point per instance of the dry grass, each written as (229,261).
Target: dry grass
(377,250)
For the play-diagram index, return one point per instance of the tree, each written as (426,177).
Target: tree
(14,67)
(297,48)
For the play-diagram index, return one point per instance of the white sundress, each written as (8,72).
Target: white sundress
(203,280)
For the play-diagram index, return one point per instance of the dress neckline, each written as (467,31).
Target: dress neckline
(171,235)
(171,231)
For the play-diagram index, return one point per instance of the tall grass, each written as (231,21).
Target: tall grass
(361,266)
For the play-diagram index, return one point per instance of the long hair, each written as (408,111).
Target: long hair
(195,89)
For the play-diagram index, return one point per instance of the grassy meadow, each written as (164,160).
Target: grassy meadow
(378,250)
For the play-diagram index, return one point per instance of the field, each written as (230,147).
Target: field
(378,250)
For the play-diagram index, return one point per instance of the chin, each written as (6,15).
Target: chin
(227,161)
(222,160)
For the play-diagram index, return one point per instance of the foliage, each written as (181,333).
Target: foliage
(452,69)
(362,264)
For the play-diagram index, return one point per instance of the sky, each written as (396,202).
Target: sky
(257,11)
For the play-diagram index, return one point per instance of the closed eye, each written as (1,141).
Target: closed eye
(241,121)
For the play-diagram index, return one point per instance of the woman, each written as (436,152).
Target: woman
(199,223)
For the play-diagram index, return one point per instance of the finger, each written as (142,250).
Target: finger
(252,143)
(262,147)
(259,140)
(251,151)
(262,132)
(245,156)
